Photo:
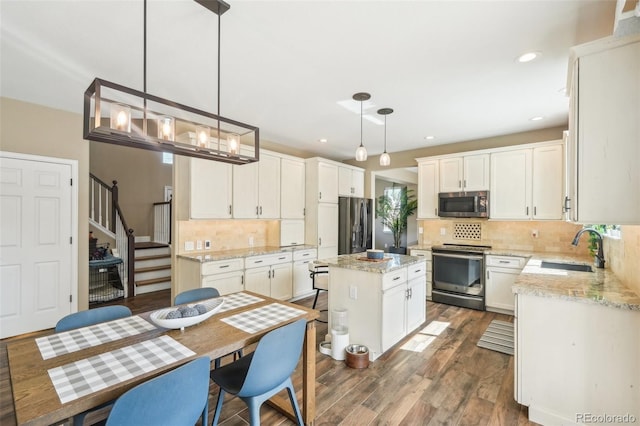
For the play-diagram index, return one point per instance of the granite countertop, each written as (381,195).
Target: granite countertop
(210,256)
(352,261)
(600,287)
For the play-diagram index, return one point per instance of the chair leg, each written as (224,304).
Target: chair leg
(315,300)
(294,402)
(205,413)
(216,363)
(216,414)
(254,405)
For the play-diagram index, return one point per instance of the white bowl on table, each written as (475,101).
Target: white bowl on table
(159,317)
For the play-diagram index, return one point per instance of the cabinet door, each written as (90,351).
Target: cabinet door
(231,282)
(357,181)
(245,191)
(327,230)
(498,292)
(548,182)
(451,174)
(345,187)
(476,172)
(292,185)
(258,280)
(210,189)
(510,185)
(393,315)
(281,281)
(327,183)
(269,187)
(428,188)
(302,282)
(416,303)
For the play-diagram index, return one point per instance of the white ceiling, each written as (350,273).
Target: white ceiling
(447,68)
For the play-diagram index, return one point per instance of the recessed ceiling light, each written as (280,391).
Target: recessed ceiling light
(323,140)
(528,57)
(429,138)
(537,118)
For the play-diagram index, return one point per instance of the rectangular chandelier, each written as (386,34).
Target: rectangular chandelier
(119,115)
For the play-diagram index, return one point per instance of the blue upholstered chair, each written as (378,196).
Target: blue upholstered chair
(85,319)
(258,376)
(190,296)
(178,397)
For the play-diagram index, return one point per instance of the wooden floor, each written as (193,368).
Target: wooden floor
(452,382)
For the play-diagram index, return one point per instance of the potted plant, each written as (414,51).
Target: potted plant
(393,209)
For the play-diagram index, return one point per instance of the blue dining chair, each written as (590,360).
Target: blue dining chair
(85,319)
(178,397)
(190,296)
(258,376)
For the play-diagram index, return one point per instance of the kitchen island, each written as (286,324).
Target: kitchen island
(385,300)
(577,346)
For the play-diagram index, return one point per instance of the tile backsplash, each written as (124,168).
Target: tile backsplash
(622,255)
(228,234)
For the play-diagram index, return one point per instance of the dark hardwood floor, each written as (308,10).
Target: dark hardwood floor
(451,382)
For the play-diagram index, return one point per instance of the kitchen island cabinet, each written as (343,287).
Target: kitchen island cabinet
(385,300)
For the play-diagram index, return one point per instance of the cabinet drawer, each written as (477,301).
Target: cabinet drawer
(394,278)
(267,260)
(305,254)
(416,270)
(506,261)
(220,266)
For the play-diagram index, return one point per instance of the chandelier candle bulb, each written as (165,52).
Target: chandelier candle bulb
(166,128)
(202,136)
(233,144)
(121,117)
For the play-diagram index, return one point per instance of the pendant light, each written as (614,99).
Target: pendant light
(385,159)
(361,152)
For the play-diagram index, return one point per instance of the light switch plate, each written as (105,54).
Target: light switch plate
(189,246)
(199,245)
(207,244)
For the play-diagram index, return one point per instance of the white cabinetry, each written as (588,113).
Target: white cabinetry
(321,206)
(269,274)
(467,173)
(350,182)
(502,272)
(292,186)
(327,230)
(426,254)
(302,282)
(203,189)
(604,131)
(224,275)
(576,357)
(527,183)
(256,189)
(383,308)
(428,188)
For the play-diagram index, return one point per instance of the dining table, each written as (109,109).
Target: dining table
(56,376)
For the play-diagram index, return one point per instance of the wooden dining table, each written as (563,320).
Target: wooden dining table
(38,402)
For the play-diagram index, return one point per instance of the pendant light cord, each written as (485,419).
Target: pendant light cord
(385,133)
(144,68)
(360,123)
(219,32)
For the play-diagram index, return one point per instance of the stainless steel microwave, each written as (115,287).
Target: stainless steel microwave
(463,204)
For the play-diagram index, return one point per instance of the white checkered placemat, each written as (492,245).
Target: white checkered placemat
(238,300)
(264,317)
(90,375)
(94,335)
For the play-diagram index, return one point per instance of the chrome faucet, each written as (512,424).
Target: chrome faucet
(600,254)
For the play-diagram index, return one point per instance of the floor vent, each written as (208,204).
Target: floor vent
(467,231)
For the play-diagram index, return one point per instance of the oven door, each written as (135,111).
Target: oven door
(458,273)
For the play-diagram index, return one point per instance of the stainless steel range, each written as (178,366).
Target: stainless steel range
(458,275)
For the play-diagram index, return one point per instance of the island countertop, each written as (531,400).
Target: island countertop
(359,262)
(210,256)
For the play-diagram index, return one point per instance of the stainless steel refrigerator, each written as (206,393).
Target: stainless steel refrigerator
(354,224)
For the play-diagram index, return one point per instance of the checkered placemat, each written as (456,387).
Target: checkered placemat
(94,335)
(238,300)
(264,317)
(90,375)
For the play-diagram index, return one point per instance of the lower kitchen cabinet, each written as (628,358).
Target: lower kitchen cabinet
(576,359)
(270,275)
(302,282)
(501,273)
(429,266)
(227,276)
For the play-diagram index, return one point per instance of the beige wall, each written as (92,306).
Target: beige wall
(33,129)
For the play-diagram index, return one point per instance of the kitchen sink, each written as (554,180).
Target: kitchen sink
(567,266)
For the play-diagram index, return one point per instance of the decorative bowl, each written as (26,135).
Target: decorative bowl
(159,317)
(375,254)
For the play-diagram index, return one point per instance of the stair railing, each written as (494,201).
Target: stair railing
(162,222)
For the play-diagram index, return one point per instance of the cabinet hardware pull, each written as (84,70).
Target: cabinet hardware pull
(256,210)
(417,270)
(242,279)
(396,278)
(535,209)
(487,274)
(304,211)
(410,293)
(269,274)
(527,210)
(436,211)
(283,257)
(224,266)
(459,184)
(258,261)
(320,195)
(565,207)
(320,241)
(260,210)
(503,261)
(229,208)
(465,183)
(273,273)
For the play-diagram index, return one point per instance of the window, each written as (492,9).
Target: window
(167,158)
(394,193)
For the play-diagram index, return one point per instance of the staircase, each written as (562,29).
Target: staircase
(152,271)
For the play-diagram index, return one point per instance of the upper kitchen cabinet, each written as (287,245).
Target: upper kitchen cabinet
(527,183)
(208,186)
(604,131)
(256,189)
(350,182)
(321,181)
(292,183)
(428,188)
(467,173)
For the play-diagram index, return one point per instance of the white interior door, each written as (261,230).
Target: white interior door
(36,247)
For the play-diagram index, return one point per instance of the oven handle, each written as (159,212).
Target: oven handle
(459,256)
